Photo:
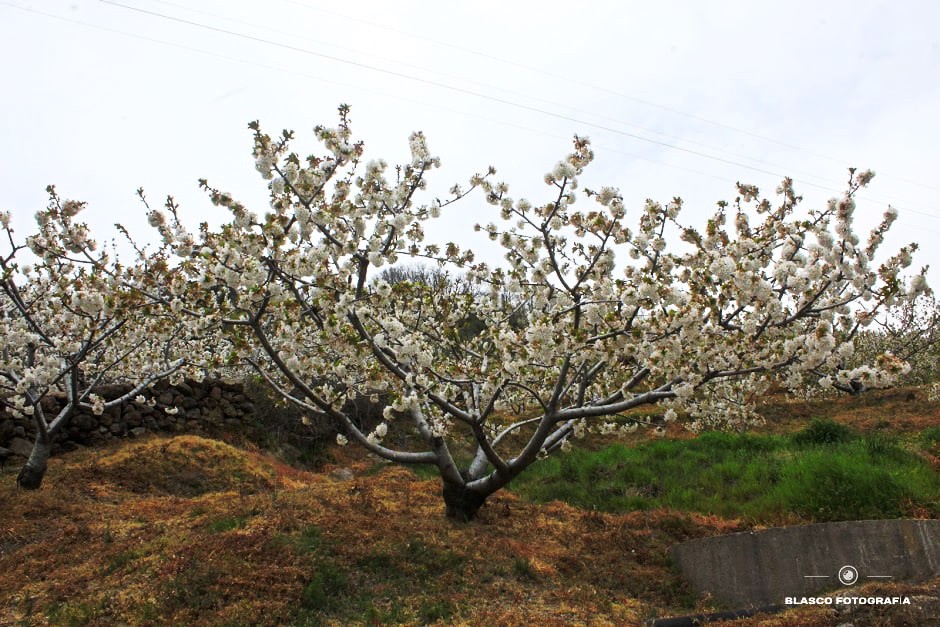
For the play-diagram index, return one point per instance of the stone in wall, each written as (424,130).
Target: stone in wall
(202,407)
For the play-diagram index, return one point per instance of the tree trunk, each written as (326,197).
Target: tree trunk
(31,475)
(462,504)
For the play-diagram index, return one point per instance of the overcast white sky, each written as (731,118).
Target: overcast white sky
(679,97)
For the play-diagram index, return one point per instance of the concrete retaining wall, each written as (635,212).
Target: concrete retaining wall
(763,567)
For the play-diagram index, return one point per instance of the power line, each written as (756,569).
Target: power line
(386,94)
(341,83)
(582,83)
(469,92)
(803,174)
(359,87)
(432,83)
(353,50)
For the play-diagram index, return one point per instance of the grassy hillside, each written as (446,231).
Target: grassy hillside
(826,472)
(192,531)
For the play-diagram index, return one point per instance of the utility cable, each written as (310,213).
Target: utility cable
(594,86)
(386,94)
(464,91)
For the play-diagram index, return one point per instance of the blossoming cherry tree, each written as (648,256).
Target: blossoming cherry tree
(586,319)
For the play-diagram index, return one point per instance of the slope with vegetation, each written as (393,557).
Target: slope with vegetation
(187,530)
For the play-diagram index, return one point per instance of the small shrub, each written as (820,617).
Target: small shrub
(393,615)
(523,569)
(823,431)
(381,565)
(194,587)
(325,589)
(71,614)
(119,561)
(227,524)
(310,540)
(569,468)
(433,611)
(423,562)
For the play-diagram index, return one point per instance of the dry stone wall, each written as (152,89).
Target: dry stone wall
(206,407)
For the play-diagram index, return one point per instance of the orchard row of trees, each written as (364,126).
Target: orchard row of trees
(597,309)
(909,329)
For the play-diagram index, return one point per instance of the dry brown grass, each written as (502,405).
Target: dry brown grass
(899,411)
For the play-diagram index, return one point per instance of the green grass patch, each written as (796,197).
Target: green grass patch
(421,556)
(394,614)
(382,565)
(825,472)
(432,611)
(424,471)
(842,485)
(120,560)
(228,523)
(326,588)
(929,438)
(195,587)
(310,540)
(327,592)
(72,614)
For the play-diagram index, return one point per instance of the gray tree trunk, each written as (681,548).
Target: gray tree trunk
(462,503)
(31,475)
